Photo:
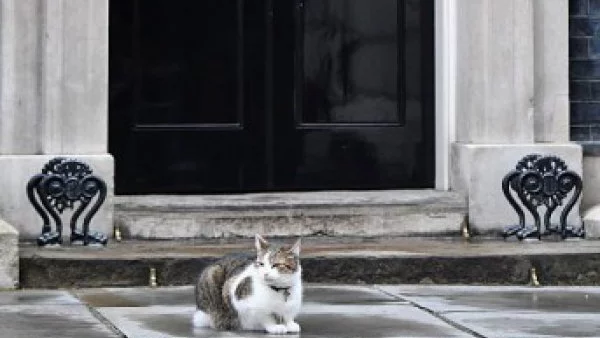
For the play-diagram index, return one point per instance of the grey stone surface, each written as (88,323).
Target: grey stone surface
(340,213)
(9,255)
(495,82)
(551,68)
(591,182)
(38,297)
(379,311)
(591,219)
(16,209)
(512,80)
(346,294)
(512,92)
(136,297)
(446,298)
(60,321)
(329,311)
(530,325)
(21,111)
(54,65)
(346,313)
(477,171)
(75,77)
(324,260)
(511,311)
(180,296)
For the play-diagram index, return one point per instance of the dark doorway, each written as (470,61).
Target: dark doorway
(263,95)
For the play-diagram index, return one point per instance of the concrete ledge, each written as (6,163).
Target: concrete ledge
(477,170)
(324,259)
(18,211)
(9,256)
(334,213)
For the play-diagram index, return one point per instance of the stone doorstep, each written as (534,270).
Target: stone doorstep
(324,259)
(334,213)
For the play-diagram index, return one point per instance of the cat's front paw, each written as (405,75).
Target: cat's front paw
(276,329)
(292,327)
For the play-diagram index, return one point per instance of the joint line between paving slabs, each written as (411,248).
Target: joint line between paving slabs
(435,314)
(106,322)
(101,318)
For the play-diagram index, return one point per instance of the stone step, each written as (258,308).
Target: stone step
(324,259)
(332,213)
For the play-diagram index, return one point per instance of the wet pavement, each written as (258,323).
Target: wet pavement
(330,311)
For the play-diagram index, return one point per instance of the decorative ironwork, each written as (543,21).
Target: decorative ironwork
(63,183)
(542,181)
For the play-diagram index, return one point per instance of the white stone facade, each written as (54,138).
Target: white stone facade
(53,98)
(501,92)
(510,97)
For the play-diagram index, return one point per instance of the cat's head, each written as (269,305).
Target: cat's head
(277,265)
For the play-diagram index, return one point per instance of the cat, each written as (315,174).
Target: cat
(245,292)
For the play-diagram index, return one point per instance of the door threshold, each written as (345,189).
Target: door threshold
(425,212)
(291,199)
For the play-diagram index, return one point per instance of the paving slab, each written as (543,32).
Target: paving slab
(184,295)
(518,312)
(442,299)
(137,297)
(38,297)
(60,321)
(529,325)
(317,321)
(346,294)
(328,311)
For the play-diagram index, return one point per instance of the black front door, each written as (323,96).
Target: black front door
(262,95)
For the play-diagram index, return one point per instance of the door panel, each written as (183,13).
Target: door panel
(348,54)
(187,88)
(189,74)
(186,163)
(358,114)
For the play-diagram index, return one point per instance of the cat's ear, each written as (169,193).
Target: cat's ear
(296,247)
(261,243)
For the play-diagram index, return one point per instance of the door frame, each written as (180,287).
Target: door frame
(445,88)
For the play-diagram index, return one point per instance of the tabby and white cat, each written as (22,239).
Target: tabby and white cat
(252,293)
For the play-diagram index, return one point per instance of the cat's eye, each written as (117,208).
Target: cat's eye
(260,263)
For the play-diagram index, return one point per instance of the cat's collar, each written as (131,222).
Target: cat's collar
(284,291)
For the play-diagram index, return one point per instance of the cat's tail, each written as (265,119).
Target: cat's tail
(201,319)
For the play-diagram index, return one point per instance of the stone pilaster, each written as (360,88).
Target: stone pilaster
(511,99)
(494,71)
(551,66)
(53,96)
